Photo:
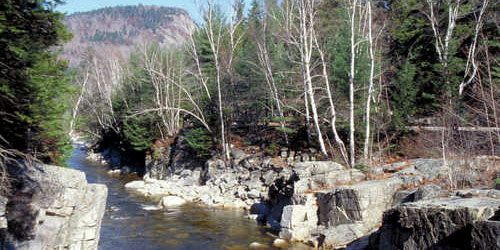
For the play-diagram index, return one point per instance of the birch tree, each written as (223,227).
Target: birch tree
(81,81)
(267,69)
(370,85)
(351,83)
(471,57)
(442,43)
(214,34)
(306,45)
(333,112)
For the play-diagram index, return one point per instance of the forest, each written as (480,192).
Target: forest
(357,82)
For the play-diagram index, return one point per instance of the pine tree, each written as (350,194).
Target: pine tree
(33,93)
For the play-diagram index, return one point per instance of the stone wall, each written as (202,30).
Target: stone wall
(52,208)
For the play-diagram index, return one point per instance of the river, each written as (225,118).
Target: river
(134,222)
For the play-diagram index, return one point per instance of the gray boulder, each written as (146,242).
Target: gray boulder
(64,211)
(437,224)
(485,235)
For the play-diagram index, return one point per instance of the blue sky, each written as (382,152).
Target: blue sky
(72,6)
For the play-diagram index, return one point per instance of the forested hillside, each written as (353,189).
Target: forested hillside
(115,31)
(359,81)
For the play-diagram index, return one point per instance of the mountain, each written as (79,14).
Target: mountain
(115,31)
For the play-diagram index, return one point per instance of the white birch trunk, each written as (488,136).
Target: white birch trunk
(370,87)
(351,87)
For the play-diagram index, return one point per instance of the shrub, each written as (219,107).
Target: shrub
(199,142)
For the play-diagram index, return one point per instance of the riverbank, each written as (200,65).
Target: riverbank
(51,207)
(319,203)
(135,221)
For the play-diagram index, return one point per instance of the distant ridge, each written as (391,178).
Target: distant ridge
(115,31)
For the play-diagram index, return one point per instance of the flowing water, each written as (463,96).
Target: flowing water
(134,222)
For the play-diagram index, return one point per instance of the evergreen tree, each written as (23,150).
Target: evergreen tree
(33,87)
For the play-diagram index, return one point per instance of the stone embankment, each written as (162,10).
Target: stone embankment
(51,208)
(319,203)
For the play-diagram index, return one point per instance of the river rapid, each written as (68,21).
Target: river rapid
(134,222)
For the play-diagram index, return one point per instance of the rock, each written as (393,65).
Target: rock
(321,174)
(493,193)
(309,168)
(436,224)
(253,194)
(115,172)
(157,163)
(298,221)
(186,173)
(268,177)
(259,208)
(468,193)
(252,216)
(427,192)
(61,210)
(257,245)
(237,154)
(349,212)
(485,235)
(135,185)
(283,154)
(188,181)
(404,196)
(430,168)
(280,243)
(172,201)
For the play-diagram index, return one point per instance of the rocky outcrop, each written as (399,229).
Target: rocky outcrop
(171,158)
(445,223)
(53,208)
(317,202)
(259,184)
(344,213)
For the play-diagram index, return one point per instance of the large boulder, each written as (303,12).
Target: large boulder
(446,223)
(53,208)
(350,212)
(485,235)
(298,222)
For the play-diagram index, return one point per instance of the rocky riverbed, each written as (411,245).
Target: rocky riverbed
(320,203)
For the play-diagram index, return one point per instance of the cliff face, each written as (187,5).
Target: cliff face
(51,208)
(115,31)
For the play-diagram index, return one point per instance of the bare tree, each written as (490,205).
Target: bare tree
(164,76)
(442,48)
(351,83)
(333,120)
(441,45)
(214,34)
(471,57)
(306,45)
(267,69)
(166,71)
(81,81)
(101,77)
(370,86)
